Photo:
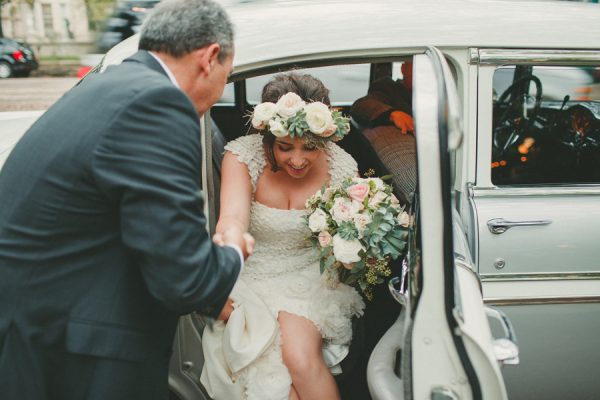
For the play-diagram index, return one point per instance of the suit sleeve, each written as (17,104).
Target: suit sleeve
(148,165)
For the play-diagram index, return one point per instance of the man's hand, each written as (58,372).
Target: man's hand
(244,241)
(403,121)
(226,311)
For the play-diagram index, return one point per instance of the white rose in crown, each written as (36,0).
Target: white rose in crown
(344,209)
(317,221)
(263,112)
(319,119)
(289,104)
(277,127)
(346,251)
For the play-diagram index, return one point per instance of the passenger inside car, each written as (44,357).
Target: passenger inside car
(384,118)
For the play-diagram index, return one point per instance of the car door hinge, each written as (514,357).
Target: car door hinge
(473,56)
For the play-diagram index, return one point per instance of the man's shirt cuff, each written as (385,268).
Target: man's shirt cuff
(239,251)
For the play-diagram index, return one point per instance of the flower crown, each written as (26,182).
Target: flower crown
(294,117)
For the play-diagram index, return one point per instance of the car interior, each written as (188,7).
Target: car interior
(546,127)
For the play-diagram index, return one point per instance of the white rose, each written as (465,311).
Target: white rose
(277,128)
(262,113)
(404,219)
(346,251)
(318,118)
(324,238)
(289,104)
(379,184)
(378,198)
(317,221)
(360,222)
(343,209)
(328,194)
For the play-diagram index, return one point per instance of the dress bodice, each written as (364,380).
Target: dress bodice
(278,231)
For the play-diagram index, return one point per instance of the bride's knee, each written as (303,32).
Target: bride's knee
(301,364)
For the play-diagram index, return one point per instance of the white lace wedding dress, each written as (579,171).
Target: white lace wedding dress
(243,358)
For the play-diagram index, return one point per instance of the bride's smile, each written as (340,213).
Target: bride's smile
(296,156)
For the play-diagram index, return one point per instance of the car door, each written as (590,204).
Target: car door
(441,345)
(536,199)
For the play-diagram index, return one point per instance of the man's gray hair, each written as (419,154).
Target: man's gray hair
(178,27)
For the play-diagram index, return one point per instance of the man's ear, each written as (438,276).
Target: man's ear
(207,57)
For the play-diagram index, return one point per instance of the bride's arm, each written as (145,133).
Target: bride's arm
(236,195)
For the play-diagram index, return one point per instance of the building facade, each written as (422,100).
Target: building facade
(51,27)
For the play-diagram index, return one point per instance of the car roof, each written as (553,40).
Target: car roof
(271,32)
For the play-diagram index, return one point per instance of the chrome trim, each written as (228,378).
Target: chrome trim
(500,225)
(538,57)
(517,301)
(357,56)
(473,56)
(462,264)
(443,393)
(549,276)
(505,349)
(400,294)
(592,189)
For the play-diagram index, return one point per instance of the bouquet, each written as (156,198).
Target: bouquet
(358,228)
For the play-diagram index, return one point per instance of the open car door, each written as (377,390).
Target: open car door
(441,346)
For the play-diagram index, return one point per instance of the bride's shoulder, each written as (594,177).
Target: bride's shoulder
(247,148)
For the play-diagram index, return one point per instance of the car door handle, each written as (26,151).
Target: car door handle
(505,349)
(501,225)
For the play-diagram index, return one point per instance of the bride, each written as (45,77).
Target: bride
(287,328)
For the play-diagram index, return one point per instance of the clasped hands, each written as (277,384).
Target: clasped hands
(245,241)
(402,121)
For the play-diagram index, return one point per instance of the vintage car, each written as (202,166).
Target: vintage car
(506,103)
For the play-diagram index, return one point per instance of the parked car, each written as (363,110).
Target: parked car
(16,58)
(504,226)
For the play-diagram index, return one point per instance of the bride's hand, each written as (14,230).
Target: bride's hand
(226,311)
(249,243)
(218,239)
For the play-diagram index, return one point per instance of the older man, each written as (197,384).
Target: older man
(102,236)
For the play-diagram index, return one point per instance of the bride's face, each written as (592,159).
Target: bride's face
(294,156)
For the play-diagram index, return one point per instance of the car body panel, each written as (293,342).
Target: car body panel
(546,277)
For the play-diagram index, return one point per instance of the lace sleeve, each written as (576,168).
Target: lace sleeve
(249,150)
(341,164)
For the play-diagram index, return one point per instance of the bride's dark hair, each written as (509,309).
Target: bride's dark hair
(306,86)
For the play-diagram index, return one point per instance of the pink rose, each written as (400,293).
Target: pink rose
(358,192)
(324,238)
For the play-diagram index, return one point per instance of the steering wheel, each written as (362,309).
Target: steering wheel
(515,119)
(581,133)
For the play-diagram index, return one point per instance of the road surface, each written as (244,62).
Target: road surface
(23,94)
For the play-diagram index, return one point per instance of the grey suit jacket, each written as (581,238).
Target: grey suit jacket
(103,241)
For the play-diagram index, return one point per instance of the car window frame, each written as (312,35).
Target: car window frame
(488,60)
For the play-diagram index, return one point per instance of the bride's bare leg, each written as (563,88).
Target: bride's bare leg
(293,394)
(301,351)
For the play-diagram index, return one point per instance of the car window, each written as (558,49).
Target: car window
(346,83)
(546,125)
